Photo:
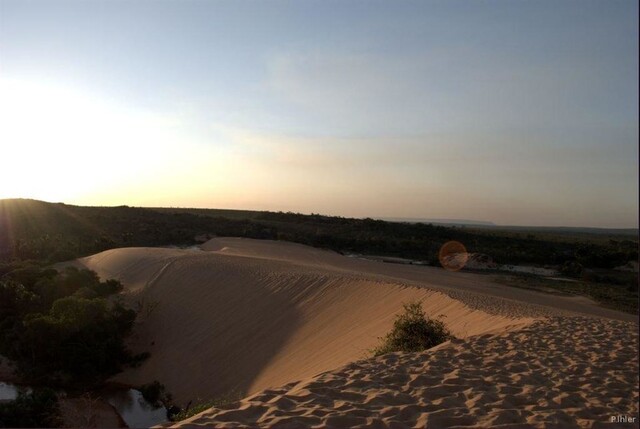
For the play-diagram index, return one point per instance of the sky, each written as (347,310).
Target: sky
(515,112)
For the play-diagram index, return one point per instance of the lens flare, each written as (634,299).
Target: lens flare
(453,256)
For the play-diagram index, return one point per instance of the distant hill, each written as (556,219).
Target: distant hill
(556,231)
(490,225)
(438,221)
(31,229)
(569,229)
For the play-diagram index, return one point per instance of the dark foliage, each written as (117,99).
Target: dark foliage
(54,232)
(155,393)
(571,269)
(31,410)
(59,328)
(223,401)
(413,332)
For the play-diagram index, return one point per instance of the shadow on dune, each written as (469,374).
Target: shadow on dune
(211,326)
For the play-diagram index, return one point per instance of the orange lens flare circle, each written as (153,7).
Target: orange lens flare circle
(453,256)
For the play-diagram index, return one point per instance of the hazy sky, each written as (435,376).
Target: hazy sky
(516,112)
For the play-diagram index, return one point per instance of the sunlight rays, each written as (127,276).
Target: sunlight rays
(60,144)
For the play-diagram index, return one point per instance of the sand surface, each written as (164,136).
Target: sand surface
(537,376)
(248,315)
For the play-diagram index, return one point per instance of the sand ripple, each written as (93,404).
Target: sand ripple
(560,372)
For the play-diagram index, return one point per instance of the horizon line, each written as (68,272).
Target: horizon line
(435,221)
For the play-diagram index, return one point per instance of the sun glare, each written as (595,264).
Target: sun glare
(59,144)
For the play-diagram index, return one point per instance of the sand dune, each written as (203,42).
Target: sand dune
(246,319)
(247,316)
(274,250)
(474,290)
(537,376)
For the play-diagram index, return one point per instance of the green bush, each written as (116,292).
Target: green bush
(571,269)
(413,332)
(60,329)
(83,283)
(31,410)
(155,393)
(220,402)
(79,341)
(193,410)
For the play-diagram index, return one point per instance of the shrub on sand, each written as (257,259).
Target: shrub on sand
(413,332)
(220,402)
(155,393)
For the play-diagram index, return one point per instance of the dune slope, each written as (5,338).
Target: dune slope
(260,314)
(538,376)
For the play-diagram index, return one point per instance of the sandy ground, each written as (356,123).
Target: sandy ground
(537,376)
(247,316)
